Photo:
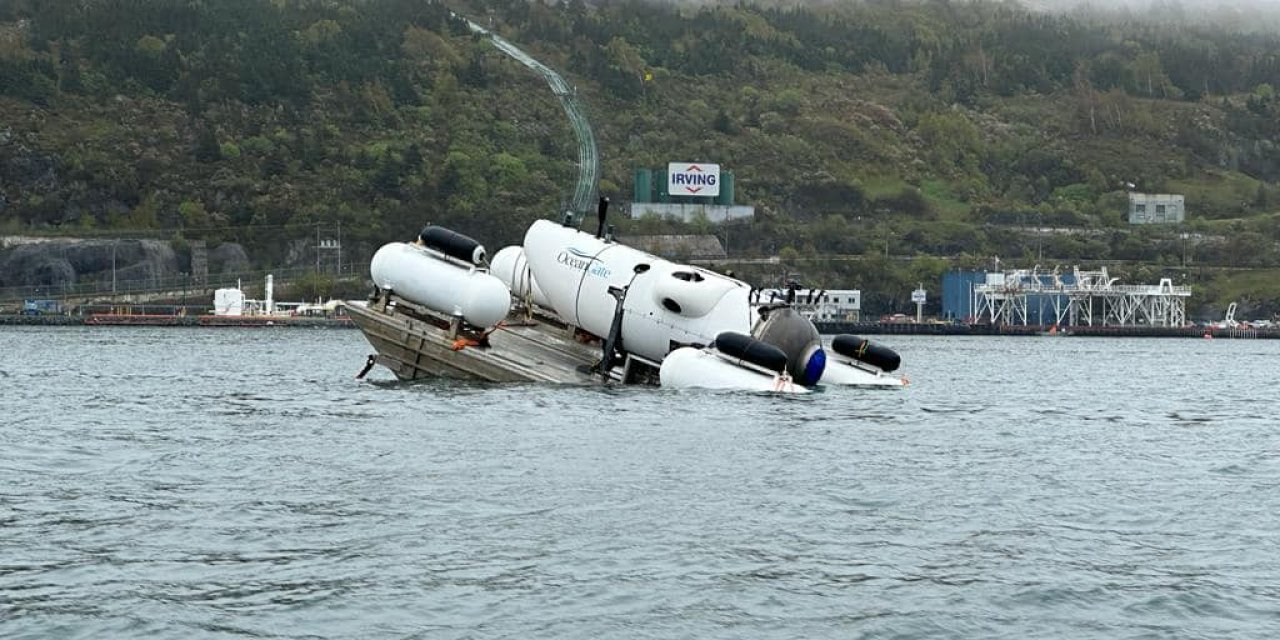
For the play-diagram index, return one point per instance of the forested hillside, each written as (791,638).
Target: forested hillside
(952,131)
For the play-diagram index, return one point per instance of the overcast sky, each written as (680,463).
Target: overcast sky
(1240,5)
(1244,15)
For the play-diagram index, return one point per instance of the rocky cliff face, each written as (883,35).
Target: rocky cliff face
(65,262)
(228,257)
(43,262)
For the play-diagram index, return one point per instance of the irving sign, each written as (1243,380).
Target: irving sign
(690,179)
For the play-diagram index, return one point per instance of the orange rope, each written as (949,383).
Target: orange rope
(463,343)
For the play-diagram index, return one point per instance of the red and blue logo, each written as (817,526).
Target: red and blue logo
(693,179)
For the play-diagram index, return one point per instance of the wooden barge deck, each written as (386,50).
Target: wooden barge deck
(415,342)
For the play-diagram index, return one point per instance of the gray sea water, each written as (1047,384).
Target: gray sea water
(211,483)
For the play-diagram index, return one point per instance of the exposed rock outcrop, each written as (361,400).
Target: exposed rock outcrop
(65,262)
(228,257)
(35,268)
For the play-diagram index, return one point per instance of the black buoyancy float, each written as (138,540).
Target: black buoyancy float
(866,351)
(452,244)
(748,349)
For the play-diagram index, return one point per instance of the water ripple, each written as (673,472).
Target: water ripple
(243,484)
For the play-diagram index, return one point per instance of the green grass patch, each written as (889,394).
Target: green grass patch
(1256,290)
(881,186)
(1253,285)
(1216,194)
(948,206)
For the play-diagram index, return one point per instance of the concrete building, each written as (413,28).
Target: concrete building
(1156,208)
(680,248)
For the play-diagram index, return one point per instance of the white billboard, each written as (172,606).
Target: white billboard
(693,179)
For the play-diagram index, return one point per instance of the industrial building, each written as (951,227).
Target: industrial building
(681,248)
(1035,297)
(1156,208)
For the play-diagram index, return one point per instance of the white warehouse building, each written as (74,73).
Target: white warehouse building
(820,305)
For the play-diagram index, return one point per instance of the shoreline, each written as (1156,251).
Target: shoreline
(825,328)
(152,320)
(1042,331)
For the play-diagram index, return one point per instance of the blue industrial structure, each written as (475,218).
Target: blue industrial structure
(958,298)
(957,294)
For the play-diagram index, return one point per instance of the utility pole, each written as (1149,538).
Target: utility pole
(1039,237)
(1184,248)
(328,244)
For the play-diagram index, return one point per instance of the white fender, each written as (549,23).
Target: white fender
(423,276)
(842,371)
(688,368)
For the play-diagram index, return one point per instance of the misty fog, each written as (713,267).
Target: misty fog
(1243,15)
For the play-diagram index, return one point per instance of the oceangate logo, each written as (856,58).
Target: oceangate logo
(576,258)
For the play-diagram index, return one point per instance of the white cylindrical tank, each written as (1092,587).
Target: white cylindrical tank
(510,266)
(666,303)
(270,295)
(419,275)
(690,368)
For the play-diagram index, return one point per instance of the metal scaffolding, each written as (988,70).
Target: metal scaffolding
(1087,298)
